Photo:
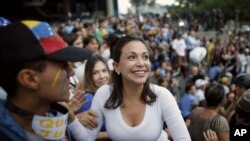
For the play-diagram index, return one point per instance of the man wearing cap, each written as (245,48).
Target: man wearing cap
(35,74)
(242,82)
(242,110)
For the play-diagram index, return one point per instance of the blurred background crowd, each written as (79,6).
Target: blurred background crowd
(189,50)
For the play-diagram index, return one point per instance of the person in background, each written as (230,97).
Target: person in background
(215,72)
(89,43)
(96,75)
(105,49)
(163,82)
(103,22)
(200,86)
(76,41)
(134,109)
(241,116)
(208,117)
(96,32)
(188,101)
(179,46)
(193,72)
(35,74)
(242,82)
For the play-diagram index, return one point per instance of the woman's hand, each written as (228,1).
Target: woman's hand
(71,116)
(76,102)
(88,119)
(210,135)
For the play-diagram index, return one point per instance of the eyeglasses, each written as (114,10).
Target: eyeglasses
(113,39)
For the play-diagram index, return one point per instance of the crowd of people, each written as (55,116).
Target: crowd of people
(121,79)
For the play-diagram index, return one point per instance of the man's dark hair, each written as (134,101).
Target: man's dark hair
(214,94)
(243,80)
(8,78)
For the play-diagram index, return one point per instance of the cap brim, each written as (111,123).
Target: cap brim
(71,53)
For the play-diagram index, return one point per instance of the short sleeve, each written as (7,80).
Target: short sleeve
(221,125)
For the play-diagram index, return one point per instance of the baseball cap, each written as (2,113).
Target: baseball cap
(200,82)
(30,40)
(243,79)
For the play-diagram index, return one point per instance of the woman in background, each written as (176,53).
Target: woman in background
(96,75)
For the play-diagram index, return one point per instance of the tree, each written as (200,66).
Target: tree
(229,7)
(138,3)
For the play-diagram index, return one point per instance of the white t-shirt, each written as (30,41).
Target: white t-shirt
(179,46)
(200,95)
(80,69)
(150,129)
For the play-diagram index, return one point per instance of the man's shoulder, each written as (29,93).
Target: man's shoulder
(9,128)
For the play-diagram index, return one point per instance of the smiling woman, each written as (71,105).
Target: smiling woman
(131,103)
(96,74)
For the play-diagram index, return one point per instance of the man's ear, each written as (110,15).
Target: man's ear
(116,68)
(27,78)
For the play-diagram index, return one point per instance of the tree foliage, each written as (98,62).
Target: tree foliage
(142,2)
(138,2)
(228,7)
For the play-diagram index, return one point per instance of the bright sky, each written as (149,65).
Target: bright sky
(165,2)
(123,5)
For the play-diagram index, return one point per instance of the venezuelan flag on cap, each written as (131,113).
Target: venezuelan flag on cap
(49,40)
(32,40)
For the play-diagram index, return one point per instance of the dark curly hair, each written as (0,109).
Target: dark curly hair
(214,94)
